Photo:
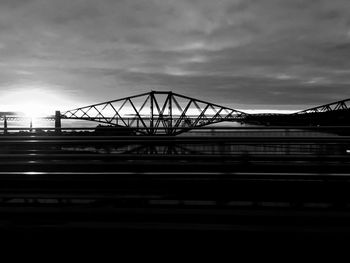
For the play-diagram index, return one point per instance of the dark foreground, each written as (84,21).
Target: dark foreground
(201,190)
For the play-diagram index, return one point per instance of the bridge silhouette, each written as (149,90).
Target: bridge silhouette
(156,112)
(330,107)
(166,112)
(335,113)
(169,113)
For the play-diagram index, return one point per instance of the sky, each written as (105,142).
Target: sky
(244,54)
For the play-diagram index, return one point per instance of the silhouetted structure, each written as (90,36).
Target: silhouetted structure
(336,113)
(156,112)
(168,113)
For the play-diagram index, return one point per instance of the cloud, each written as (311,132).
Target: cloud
(246,52)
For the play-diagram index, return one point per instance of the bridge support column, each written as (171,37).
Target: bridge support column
(31,125)
(170,122)
(5,125)
(58,121)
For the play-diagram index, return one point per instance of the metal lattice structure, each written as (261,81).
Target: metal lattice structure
(334,106)
(156,112)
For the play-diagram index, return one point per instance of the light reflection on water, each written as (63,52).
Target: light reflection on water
(209,131)
(211,149)
(225,148)
(43,123)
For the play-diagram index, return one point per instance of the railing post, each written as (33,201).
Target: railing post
(58,121)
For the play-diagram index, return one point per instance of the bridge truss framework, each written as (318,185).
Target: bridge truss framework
(334,106)
(156,112)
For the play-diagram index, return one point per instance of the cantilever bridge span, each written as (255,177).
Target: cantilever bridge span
(156,112)
(335,113)
(169,113)
(330,107)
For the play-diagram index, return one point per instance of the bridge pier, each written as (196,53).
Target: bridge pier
(58,121)
(31,125)
(5,125)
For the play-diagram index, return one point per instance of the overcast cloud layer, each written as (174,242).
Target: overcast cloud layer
(241,53)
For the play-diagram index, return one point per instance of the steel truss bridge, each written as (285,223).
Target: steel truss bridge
(156,112)
(331,107)
(169,113)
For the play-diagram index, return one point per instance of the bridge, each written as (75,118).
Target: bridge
(169,113)
(156,112)
(330,107)
(335,113)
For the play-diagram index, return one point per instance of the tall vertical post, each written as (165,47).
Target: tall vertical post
(170,124)
(58,121)
(31,125)
(5,125)
(152,113)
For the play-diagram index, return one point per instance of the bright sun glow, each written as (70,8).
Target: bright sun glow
(33,102)
(34,110)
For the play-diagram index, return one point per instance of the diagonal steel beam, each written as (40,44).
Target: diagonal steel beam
(138,115)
